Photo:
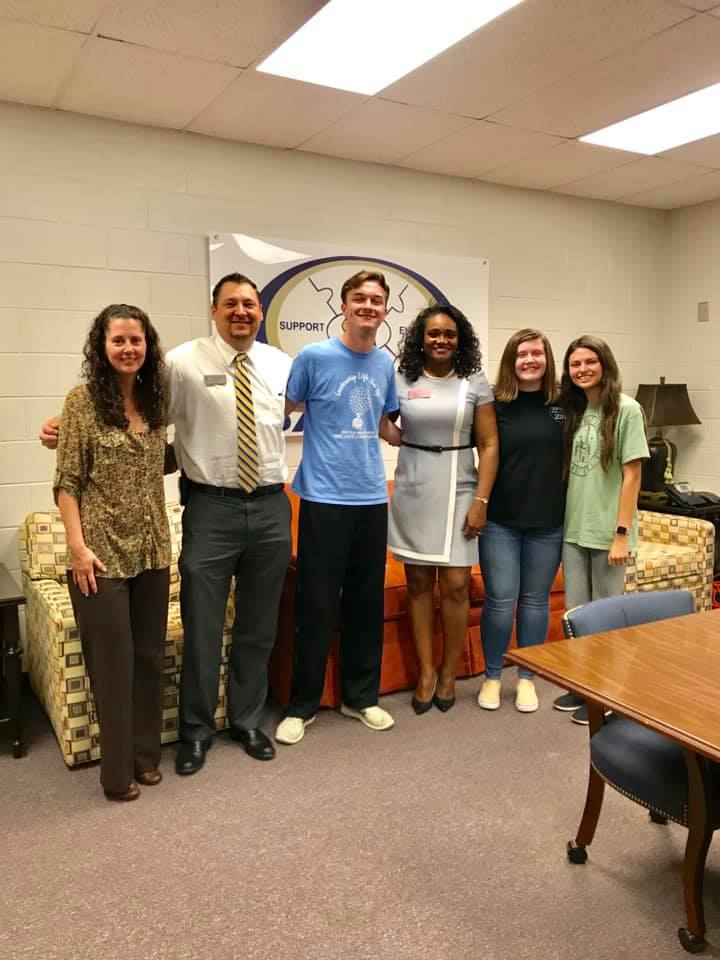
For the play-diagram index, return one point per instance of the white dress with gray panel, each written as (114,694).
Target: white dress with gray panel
(434,490)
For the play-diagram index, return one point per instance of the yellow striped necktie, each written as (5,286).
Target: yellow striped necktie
(247,458)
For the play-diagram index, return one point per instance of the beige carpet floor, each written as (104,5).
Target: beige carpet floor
(442,839)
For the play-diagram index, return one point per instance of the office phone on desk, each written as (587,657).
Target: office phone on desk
(683,495)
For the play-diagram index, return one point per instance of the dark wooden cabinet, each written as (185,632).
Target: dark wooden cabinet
(11,598)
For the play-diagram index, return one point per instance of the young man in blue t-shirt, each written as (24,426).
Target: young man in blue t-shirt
(347,387)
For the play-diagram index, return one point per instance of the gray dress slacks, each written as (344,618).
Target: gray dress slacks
(225,537)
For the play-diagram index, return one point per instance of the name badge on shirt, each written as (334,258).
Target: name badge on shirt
(215,379)
(418,394)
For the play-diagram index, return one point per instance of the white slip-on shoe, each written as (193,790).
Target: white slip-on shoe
(489,696)
(292,729)
(526,700)
(374,718)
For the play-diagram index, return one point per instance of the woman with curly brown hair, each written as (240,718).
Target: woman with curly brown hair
(109,489)
(440,498)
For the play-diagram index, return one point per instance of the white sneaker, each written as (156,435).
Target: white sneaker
(526,700)
(375,718)
(292,729)
(489,696)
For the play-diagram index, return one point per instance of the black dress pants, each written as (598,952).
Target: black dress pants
(122,631)
(340,568)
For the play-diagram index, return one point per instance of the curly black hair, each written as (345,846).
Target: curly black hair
(467,360)
(101,378)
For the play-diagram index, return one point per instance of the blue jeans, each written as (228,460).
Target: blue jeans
(518,568)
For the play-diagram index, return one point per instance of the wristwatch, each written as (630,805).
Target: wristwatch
(622,531)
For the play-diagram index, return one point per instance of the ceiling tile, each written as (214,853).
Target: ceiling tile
(126,82)
(684,193)
(528,48)
(705,152)
(669,65)
(568,161)
(634,177)
(255,108)
(236,32)
(476,148)
(34,61)
(381,132)
(77,15)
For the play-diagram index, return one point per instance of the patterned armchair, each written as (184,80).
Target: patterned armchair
(674,553)
(54,655)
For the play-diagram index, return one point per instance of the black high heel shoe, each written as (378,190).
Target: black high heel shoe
(443,703)
(422,706)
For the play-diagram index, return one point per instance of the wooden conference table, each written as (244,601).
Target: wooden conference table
(666,676)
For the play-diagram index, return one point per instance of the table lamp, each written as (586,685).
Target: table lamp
(665,405)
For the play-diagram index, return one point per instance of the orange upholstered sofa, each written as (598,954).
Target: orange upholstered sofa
(399,666)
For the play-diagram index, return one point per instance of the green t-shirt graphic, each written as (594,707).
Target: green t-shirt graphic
(593,493)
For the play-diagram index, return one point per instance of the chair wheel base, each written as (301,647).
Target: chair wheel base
(576,854)
(658,817)
(692,942)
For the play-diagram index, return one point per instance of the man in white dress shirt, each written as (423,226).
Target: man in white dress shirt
(228,531)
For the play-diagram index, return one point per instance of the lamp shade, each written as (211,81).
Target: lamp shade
(666,404)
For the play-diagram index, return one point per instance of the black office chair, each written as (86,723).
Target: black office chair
(673,783)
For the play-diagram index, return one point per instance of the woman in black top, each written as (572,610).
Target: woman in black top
(522,540)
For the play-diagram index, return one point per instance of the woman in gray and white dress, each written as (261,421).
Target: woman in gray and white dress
(440,498)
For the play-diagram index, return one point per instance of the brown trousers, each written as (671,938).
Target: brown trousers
(122,631)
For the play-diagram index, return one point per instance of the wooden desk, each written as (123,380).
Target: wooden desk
(666,676)
(10,599)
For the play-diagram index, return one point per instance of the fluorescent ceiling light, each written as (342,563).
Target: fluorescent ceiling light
(365,46)
(681,121)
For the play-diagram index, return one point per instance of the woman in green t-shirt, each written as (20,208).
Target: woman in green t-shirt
(604,447)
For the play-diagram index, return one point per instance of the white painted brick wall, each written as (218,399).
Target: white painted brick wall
(93,211)
(689,351)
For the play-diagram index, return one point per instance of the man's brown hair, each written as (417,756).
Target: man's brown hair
(358,279)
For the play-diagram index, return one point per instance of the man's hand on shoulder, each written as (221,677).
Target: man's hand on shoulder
(50,433)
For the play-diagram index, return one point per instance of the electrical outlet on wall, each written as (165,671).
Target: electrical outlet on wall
(703,311)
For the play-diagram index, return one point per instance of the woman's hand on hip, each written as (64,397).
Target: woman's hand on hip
(619,551)
(84,565)
(475,520)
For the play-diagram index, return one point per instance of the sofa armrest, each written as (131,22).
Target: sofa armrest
(668,528)
(674,552)
(57,670)
(51,601)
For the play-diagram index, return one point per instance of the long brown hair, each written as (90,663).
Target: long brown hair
(101,379)
(574,400)
(506,384)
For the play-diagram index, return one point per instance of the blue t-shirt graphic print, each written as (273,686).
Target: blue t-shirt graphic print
(345,394)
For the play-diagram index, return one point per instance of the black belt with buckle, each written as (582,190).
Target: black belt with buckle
(236,492)
(436,449)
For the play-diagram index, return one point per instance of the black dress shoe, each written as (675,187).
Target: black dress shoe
(443,703)
(255,743)
(191,756)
